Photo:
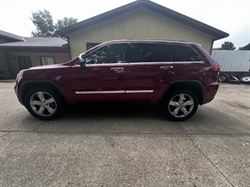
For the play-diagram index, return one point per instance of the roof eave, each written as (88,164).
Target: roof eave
(216,33)
(64,49)
(99,18)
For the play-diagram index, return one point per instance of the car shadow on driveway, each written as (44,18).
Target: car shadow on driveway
(142,119)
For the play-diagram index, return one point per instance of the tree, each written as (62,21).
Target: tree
(66,21)
(247,47)
(45,26)
(226,46)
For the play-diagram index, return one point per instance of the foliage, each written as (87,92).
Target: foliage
(247,47)
(66,21)
(226,46)
(45,26)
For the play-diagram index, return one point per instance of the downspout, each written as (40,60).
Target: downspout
(67,39)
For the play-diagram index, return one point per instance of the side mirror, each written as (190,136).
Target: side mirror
(82,59)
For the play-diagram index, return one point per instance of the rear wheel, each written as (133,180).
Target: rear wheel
(43,103)
(180,105)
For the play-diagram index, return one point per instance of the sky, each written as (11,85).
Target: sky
(231,16)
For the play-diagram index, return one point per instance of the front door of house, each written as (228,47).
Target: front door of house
(24,62)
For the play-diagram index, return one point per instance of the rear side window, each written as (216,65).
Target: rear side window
(183,53)
(143,52)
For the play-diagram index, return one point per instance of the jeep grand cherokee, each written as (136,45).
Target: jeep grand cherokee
(178,75)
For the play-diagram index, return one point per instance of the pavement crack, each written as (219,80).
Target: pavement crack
(206,156)
(5,134)
(39,126)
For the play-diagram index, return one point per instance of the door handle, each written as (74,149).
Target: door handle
(166,67)
(117,68)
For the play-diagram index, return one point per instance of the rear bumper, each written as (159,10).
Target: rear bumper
(207,100)
(211,91)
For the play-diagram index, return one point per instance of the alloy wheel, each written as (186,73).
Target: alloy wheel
(43,104)
(181,105)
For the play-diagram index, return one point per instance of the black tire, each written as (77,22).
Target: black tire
(44,103)
(233,80)
(223,78)
(175,98)
(245,79)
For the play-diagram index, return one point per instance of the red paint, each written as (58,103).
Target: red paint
(69,77)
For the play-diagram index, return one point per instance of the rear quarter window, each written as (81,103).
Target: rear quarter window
(183,53)
(148,52)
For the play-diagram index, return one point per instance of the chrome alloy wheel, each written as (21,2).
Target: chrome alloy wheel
(245,79)
(43,104)
(181,105)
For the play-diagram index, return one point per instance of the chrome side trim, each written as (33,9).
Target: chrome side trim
(101,92)
(113,92)
(150,63)
(189,62)
(139,91)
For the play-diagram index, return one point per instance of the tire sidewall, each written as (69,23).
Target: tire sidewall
(57,98)
(168,99)
(225,76)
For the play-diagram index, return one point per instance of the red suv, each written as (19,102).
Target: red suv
(176,74)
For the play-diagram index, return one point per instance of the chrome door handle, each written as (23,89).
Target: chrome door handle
(166,67)
(117,68)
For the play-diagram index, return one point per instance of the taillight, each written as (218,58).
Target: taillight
(216,70)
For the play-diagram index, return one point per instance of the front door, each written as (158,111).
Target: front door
(24,62)
(150,71)
(104,76)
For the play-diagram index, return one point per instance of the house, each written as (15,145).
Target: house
(18,52)
(139,19)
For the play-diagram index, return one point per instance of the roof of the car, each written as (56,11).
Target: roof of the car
(150,41)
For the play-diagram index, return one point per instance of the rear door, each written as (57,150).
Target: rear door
(104,77)
(189,63)
(150,71)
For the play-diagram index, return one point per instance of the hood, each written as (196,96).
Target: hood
(46,67)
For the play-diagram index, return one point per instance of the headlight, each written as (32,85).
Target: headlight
(19,76)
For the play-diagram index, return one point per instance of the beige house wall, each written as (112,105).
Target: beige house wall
(139,23)
(35,59)
(5,70)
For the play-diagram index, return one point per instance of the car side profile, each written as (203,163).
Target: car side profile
(177,75)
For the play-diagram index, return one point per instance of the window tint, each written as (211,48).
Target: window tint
(109,54)
(183,53)
(149,53)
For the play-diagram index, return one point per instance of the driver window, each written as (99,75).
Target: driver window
(114,53)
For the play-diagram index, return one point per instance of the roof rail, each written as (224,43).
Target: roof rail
(154,39)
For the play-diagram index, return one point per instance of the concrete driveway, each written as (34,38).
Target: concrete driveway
(127,146)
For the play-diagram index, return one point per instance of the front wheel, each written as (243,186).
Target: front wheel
(180,105)
(43,103)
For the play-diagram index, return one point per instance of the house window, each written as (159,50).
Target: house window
(90,45)
(47,60)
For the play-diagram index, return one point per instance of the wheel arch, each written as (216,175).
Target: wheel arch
(192,85)
(27,85)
